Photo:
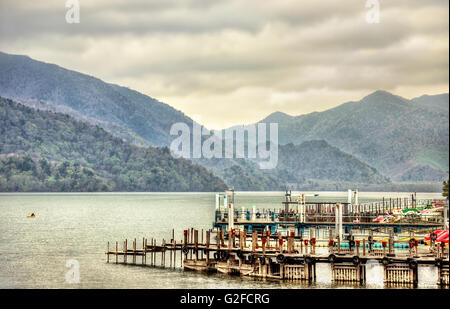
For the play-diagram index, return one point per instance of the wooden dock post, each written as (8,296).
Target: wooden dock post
(330,241)
(263,240)
(239,238)
(290,244)
(411,244)
(184,252)
(171,248)
(391,241)
(196,244)
(191,235)
(134,251)
(312,240)
(164,249)
(174,253)
(301,245)
(254,241)
(338,243)
(151,252)
(443,275)
(117,249)
(241,241)
(208,235)
(125,249)
(161,260)
(145,251)
(154,252)
(201,256)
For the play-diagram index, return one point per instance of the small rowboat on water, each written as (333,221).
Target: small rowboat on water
(31,216)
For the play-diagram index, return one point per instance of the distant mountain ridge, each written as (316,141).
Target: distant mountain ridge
(125,112)
(308,165)
(395,135)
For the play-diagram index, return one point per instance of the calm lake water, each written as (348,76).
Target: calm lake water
(34,252)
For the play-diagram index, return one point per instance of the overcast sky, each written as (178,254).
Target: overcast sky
(229,62)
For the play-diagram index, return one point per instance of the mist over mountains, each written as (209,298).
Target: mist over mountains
(406,140)
(124,112)
(380,139)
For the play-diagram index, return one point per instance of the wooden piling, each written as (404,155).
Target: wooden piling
(207,246)
(125,249)
(134,251)
(174,253)
(117,249)
(254,241)
(391,241)
(196,244)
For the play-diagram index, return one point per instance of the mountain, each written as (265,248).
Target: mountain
(406,140)
(124,112)
(313,165)
(317,160)
(47,151)
(278,117)
(242,174)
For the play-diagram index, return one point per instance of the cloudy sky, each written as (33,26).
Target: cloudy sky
(228,62)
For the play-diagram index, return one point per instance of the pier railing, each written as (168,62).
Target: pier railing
(386,211)
(271,216)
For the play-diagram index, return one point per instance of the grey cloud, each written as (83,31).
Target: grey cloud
(253,55)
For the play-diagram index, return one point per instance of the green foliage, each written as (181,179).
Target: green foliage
(445,189)
(83,150)
(436,157)
(313,163)
(318,160)
(22,173)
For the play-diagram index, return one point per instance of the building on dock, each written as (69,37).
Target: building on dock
(401,214)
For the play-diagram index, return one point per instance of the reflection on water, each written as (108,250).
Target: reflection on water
(33,252)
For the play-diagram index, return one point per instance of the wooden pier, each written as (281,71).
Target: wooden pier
(299,214)
(285,257)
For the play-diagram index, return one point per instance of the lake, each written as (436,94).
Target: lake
(77,226)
